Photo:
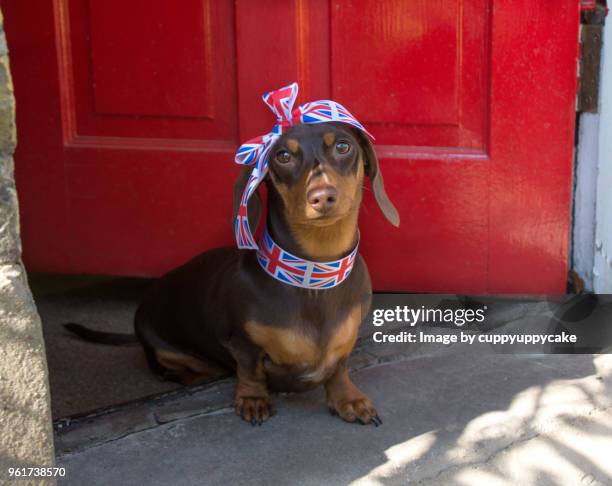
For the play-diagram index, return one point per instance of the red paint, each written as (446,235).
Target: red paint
(127,126)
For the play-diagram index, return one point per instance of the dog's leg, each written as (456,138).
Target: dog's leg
(252,400)
(348,401)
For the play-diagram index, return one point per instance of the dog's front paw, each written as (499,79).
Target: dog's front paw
(255,410)
(360,410)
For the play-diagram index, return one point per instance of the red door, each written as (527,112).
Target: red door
(129,114)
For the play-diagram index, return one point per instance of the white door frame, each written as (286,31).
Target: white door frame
(592,223)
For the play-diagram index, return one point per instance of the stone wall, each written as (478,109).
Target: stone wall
(26,436)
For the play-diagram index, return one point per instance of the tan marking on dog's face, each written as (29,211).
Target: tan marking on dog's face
(283,346)
(328,242)
(293,145)
(331,241)
(329,138)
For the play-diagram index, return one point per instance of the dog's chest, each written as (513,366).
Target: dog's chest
(311,352)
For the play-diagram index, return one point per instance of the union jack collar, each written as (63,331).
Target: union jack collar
(296,271)
(255,151)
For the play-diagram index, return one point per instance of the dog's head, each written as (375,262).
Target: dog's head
(316,171)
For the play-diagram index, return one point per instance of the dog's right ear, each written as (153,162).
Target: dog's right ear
(372,170)
(254,206)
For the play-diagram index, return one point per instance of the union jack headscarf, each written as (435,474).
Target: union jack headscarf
(256,151)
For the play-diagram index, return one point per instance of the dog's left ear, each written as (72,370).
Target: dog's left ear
(372,170)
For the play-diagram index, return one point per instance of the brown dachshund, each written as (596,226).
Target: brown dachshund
(222,312)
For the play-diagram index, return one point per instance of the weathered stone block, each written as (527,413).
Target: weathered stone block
(3,46)
(25,419)
(10,243)
(8,135)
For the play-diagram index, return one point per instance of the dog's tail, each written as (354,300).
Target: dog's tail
(100,337)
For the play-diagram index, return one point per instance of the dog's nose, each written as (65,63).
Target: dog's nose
(322,199)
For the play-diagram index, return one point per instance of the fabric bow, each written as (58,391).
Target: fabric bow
(255,152)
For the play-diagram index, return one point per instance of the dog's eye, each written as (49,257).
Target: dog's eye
(283,156)
(343,147)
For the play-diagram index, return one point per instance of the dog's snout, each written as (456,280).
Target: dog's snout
(322,199)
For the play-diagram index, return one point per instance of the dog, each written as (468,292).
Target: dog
(223,312)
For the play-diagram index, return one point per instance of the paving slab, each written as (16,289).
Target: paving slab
(454,419)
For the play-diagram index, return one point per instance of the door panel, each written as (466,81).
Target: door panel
(143,74)
(121,77)
(138,108)
(418,70)
(397,38)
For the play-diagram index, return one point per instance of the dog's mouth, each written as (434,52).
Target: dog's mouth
(324,220)
(330,218)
